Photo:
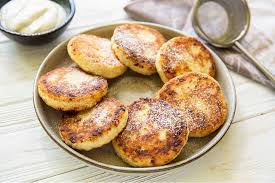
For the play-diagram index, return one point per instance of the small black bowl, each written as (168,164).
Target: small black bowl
(44,37)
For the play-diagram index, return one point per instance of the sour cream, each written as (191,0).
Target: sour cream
(31,16)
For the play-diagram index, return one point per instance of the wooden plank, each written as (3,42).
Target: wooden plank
(16,114)
(243,154)
(30,155)
(253,99)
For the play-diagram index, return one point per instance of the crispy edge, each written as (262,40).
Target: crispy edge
(166,72)
(141,159)
(92,67)
(130,57)
(69,103)
(100,137)
(224,107)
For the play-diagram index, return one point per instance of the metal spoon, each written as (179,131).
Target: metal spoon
(237,25)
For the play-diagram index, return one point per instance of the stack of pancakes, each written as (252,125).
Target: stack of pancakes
(150,131)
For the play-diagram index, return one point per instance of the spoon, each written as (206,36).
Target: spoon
(231,24)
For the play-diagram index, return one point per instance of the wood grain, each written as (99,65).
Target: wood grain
(243,155)
(236,157)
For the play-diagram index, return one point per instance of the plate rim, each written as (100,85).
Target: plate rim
(136,170)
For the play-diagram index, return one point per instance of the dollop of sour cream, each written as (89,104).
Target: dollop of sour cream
(31,16)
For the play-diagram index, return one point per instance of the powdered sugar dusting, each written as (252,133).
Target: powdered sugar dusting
(158,114)
(139,41)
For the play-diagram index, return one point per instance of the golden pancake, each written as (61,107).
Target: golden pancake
(136,47)
(154,135)
(202,96)
(69,88)
(183,54)
(94,55)
(94,127)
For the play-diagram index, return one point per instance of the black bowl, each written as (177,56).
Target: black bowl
(44,37)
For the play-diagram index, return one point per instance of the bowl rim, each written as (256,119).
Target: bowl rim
(68,19)
(136,170)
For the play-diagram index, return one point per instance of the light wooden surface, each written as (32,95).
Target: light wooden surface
(246,153)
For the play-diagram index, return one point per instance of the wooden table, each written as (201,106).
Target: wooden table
(246,153)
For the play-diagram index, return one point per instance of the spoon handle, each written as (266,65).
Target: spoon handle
(258,64)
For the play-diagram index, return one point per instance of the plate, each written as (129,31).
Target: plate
(128,88)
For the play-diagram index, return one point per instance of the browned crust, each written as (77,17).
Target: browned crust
(91,48)
(78,127)
(140,141)
(126,38)
(64,91)
(175,53)
(202,96)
